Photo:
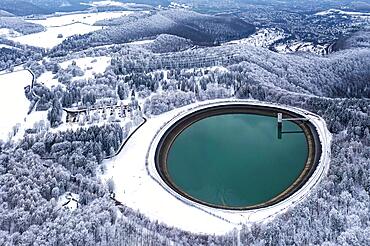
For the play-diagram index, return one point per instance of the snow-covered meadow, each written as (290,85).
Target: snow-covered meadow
(361,15)
(47,79)
(291,47)
(106,3)
(262,38)
(86,18)
(59,28)
(7,47)
(89,65)
(49,38)
(8,33)
(13,103)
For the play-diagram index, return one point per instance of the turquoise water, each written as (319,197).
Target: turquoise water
(236,160)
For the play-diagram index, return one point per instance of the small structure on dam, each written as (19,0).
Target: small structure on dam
(280,120)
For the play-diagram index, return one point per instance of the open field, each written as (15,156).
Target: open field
(13,103)
(59,28)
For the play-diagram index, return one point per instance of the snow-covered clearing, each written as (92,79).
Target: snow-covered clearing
(69,200)
(8,33)
(140,187)
(338,11)
(8,47)
(49,38)
(89,18)
(110,3)
(175,5)
(262,38)
(59,28)
(203,70)
(90,65)
(48,80)
(362,15)
(35,117)
(106,3)
(13,103)
(148,41)
(217,69)
(319,49)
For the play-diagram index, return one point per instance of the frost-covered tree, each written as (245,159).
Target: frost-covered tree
(55,113)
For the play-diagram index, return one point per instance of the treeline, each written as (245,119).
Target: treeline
(17,55)
(342,74)
(19,25)
(75,148)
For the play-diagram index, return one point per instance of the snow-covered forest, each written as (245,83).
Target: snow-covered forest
(95,89)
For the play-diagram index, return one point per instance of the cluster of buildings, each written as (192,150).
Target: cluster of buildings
(117,111)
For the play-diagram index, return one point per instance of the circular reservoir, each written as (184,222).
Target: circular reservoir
(232,157)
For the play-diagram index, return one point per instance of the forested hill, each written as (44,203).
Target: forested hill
(20,7)
(200,28)
(4,13)
(36,7)
(20,25)
(360,39)
(342,74)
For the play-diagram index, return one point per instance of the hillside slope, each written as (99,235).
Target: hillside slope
(35,7)
(360,39)
(199,28)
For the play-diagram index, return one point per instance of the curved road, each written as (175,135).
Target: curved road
(127,139)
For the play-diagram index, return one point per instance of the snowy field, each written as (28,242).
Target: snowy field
(13,103)
(68,19)
(140,42)
(140,187)
(262,38)
(110,3)
(106,3)
(7,47)
(8,33)
(90,65)
(49,38)
(365,15)
(304,47)
(66,25)
(356,15)
(48,80)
